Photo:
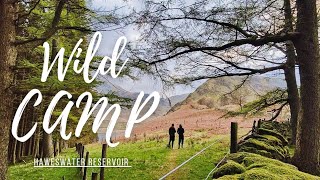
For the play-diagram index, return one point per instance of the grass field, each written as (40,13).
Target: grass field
(150,159)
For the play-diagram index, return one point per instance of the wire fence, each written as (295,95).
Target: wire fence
(202,150)
(185,162)
(217,165)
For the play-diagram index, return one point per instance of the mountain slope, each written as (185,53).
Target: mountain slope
(164,106)
(230,92)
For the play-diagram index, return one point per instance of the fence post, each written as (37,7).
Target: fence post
(79,151)
(82,151)
(76,145)
(81,157)
(94,176)
(259,123)
(85,167)
(233,138)
(254,127)
(104,154)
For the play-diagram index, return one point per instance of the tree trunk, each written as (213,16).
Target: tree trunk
(60,145)
(32,143)
(306,156)
(7,60)
(19,148)
(290,76)
(293,94)
(14,147)
(36,146)
(56,147)
(47,145)
(22,153)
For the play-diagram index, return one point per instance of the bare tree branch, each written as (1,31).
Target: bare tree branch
(252,41)
(278,111)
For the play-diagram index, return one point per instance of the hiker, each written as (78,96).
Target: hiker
(180,131)
(172,132)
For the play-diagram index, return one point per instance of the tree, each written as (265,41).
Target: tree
(61,24)
(8,55)
(307,150)
(290,74)
(222,61)
(209,39)
(33,23)
(24,26)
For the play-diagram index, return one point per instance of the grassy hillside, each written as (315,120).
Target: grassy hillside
(149,160)
(225,93)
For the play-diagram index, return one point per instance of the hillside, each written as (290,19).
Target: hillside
(164,106)
(201,109)
(225,93)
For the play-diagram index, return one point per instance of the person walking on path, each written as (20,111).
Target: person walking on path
(172,132)
(180,131)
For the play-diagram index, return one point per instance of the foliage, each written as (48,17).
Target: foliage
(188,41)
(37,19)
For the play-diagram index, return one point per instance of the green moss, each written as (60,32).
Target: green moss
(229,168)
(260,174)
(263,131)
(230,177)
(267,138)
(264,153)
(255,165)
(281,127)
(239,157)
(256,151)
(263,147)
(271,139)
(260,167)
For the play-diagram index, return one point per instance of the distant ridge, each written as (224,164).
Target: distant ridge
(230,92)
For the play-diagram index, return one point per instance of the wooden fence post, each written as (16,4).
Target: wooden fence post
(233,139)
(76,145)
(82,151)
(94,176)
(104,154)
(253,127)
(81,157)
(85,167)
(259,123)
(79,150)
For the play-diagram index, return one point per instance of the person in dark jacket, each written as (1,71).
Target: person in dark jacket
(172,132)
(180,131)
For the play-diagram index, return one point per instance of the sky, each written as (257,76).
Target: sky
(145,83)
